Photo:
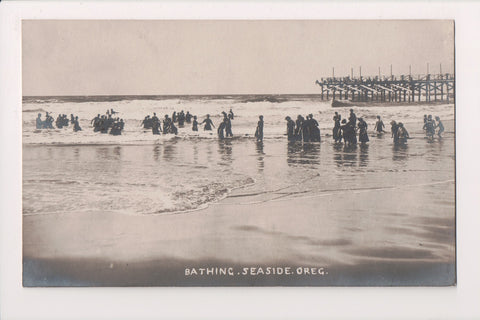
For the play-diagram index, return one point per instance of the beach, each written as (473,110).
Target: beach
(146,212)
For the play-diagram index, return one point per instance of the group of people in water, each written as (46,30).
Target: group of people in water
(225,127)
(154,124)
(169,126)
(430,126)
(304,129)
(347,130)
(62,121)
(107,123)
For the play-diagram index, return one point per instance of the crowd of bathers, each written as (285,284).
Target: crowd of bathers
(62,121)
(304,129)
(168,124)
(347,130)
(430,126)
(106,123)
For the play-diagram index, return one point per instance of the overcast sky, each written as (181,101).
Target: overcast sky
(115,57)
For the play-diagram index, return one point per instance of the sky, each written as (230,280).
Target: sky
(162,57)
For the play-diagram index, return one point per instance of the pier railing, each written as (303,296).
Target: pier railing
(403,88)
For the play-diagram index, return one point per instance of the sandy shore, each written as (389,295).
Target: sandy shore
(112,249)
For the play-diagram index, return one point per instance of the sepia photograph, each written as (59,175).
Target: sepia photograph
(238,153)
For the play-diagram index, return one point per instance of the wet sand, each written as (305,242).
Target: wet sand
(107,249)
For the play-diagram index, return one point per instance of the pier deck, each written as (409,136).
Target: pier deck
(404,88)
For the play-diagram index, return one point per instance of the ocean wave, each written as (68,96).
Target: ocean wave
(272,99)
(34,110)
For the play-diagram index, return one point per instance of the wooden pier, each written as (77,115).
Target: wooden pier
(404,88)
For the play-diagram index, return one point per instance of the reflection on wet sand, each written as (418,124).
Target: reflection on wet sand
(347,156)
(170,151)
(76,152)
(400,152)
(260,156)
(195,153)
(434,149)
(307,154)
(363,157)
(156,153)
(225,152)
(118,152)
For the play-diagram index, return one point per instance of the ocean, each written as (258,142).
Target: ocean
(139,173)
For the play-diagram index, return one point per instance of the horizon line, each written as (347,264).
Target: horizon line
(172,95)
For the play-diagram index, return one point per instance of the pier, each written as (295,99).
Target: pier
(403,88)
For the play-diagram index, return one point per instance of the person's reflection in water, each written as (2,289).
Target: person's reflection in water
(117,151)
(400,152)
(102,153)
(434,150)
(260,156)
(363,157)
(225,152)
(170,150)
(156,153)
(195,153)
(337,154)
(311,154)
(209,153)
(76,153)
(293,151)
(350,155)
(303,154)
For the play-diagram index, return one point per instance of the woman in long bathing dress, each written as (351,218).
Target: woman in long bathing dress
(259,131)
(362,126)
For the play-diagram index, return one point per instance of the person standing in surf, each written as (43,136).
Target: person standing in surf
(440,127)
(47,124)
(208,123)
(394,130)
(221,128)
(154,118)
(188,117)
(156,128)
(379,126)
(290,129)
(259,130)
(76,125)
(39,122)
(195,124)
(166,124)
(313,129)
(429,127)
(345,132)
(402,134)
(337,133)
(298,128)
(352,119)
(146,123)
(362,135)
(228,127)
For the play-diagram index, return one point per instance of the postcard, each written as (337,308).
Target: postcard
(238,153)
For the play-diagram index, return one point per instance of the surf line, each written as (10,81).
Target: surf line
(273,191)
(285,197)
